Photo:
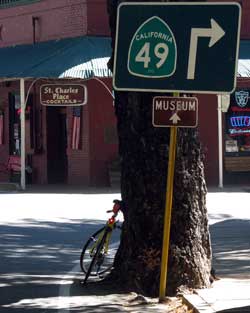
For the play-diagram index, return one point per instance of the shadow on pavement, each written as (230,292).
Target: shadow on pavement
(231,248)
(243,309)
(38,260)
(40,271)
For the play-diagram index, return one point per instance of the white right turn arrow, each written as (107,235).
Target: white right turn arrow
(215,33)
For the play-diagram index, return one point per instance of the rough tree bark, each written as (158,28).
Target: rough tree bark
(144,158)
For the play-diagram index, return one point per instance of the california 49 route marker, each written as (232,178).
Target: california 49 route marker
(177,47)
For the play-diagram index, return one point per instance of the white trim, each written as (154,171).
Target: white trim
(220,142)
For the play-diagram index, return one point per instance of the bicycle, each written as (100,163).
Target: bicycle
(98,253)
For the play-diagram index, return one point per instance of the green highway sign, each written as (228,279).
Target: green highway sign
(184,47)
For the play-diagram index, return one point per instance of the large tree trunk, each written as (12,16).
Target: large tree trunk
(144,159)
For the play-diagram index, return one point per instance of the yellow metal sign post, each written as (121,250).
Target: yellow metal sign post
(168,209)
(172,112)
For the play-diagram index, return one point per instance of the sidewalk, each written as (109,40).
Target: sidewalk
(229,219)
(226,295)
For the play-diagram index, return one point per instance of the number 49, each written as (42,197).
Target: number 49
(161,51)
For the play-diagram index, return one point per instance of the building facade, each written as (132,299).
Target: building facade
(76,145)
(64,144)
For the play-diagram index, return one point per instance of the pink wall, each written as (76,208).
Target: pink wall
(208,131)
(56,19)
(97,18)
(245,28)
(103,136)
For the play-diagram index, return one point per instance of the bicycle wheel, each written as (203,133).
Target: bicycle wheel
(97,258)
(94,249)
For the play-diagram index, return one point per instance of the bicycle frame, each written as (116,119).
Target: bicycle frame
(107,229)
(100,242)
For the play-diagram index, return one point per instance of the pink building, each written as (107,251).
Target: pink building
(56,39)
(29,21)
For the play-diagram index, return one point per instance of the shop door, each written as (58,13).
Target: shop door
(57,162)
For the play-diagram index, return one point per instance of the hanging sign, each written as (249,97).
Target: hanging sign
(63,95)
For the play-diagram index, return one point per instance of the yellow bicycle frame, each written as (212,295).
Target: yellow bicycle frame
(110,225)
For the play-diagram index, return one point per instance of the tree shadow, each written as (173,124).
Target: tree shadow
(215,218)
(40,262)
(231,248)
(243,309)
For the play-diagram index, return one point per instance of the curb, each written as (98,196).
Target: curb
(197,303)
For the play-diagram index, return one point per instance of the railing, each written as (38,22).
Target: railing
(10,3)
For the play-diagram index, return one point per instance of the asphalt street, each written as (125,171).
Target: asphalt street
(41,236)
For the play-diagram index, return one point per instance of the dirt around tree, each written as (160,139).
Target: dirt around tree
(106,297)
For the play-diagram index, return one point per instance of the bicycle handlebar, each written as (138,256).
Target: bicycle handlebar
(116,207)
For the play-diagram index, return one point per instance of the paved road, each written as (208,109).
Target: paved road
(41,236)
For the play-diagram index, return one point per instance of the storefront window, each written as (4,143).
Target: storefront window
(237,136)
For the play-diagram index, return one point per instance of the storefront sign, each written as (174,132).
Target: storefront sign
(241,98)
(63,94)
(238,123)
(238,115)
(231,146)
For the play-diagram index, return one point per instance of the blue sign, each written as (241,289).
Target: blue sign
(184,47)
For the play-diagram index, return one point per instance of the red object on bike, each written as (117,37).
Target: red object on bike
(111,220)
(116,208)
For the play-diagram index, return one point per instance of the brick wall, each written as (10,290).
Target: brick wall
(78,160)
(99,146)
(97,18)
(103,134)
(55,19)
(245,25)
(208,132)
